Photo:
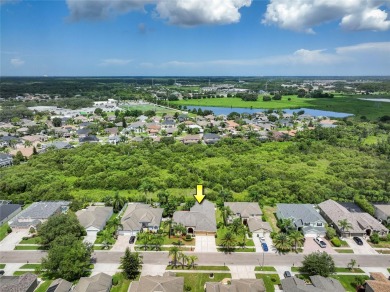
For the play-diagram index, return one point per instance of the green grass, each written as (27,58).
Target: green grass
(32,240)
(28,247)
(268,281)
(338,270)
(100,247)
(43,287)
(197,280)
(348,281)
(344,250)
(295,269)
(200,268)
(269,212)
(173,239)
(239,238)
(2,266)
(30,266)
(388,269)
(123,283)
(3,231)
(265,268)
(18,273)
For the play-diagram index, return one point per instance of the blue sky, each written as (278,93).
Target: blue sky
(194,37)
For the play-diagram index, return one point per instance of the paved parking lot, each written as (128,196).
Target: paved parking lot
(360,249)
(242,272)
(12,239)
(205,243)
(311,246)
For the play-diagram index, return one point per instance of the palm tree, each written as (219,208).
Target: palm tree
(345,225)
(157,241)
(226,212)
(285,224)
(174,252)
(179,229)
(107,239)
(297,239)
(351,264)
(282,242)
(236,225)
(228,241)
(118,202)
(191,260)
(181,256)
(115,224)
(144,238)
(168,223)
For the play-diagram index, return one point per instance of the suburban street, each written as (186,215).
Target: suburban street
(161,258)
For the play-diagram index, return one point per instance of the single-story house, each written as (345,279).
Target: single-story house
(382,212)
(243,210)
(37,213)
(211,138)
(191,139)
(24,283)
(362,223)
(139,217)
(114,140)
(258,227)
(304,218)
(93,219)
(167,282)
(5,159)
(168,124)
(8,211)
(244,285)
(99,283)
(319,284)
(377,283)
(56,145)
(60,285)
(89,139)
(199,220)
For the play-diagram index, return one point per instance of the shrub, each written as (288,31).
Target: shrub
(9,229)
(336,242)
(264,218)
(374,238)
(311,163)
(273,279)
(25,237)
(266,98)
(330,233)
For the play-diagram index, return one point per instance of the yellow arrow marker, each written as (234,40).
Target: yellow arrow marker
(199,197)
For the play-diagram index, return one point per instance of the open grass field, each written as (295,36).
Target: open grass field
(159,110)
(197,280)
(340,103)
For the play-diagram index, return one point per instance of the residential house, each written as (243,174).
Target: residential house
(60,285)
(111,131)
(168,282)
(5,159)
(22,131)
(191,139)
(24,283)
(243,210)
(153,128)
(168,124)
(231,125)
(93,219)
(199,220)
(89,139)
(304,218)
(7,141)
(382,212)
(211,138)
(137,127)
(8,211)
(362,223)
(56,145)
(258,227)
(114,139)
(99,283)
(26,151)
(142,118)
(377,283)
(195,127)
(182,118)
(37,213)
(139,217)
(83,132)
(318,284)
(241,285)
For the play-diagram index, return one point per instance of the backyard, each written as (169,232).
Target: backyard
(197,280)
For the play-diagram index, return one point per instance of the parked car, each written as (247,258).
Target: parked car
(358,240)
(320,242)
(264,246)
(287,274)
(262,239)
(132,239)
(1,272)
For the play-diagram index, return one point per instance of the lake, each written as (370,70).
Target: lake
(308,111)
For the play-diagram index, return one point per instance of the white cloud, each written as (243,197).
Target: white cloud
(102,9)
(302,15)
(198,12)
(17,62)
(379,47)
(114,62)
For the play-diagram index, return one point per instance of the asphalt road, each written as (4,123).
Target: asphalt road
(270,259)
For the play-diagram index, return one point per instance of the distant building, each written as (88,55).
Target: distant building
(60,285)
(5,160)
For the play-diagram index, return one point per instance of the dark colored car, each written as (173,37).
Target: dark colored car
(287,274)
(264,246)
(1,272)
(358,240)
(132,239)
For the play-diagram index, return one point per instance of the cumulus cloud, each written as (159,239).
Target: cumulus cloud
(102,9)
(378,47)
(115,62)
(198,12)
(303,15)
(17,62)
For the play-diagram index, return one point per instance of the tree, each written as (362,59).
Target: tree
(282,242)
(57,122)
(318,263)
(228,241)
(131,263)
(174,252)
(117,202)
(179,229)
(114,224)
(144,238)
(345,225)
(285,224)
(236,226)
(168,223)
(107,239)
(157,240)
(191,260)
(297,239)
(330,233)
(181,256)
(351,264)
(18,158)
(68,258)
(226,212)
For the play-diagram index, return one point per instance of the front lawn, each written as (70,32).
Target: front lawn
(3,231)
(30,266)
(31,240)
(200,268)
(338,270)
(2,266)
(266,268)
(28,247)
(270,280)
(43,286)
(239,238)
(348,282)
(344,250)
(197,280)
(175,239)
(122,284)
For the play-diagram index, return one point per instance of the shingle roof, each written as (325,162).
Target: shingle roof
(164,283)
(94,216)
(7,209)
(378,282)
(245,209)
(256,224)
(385,208)
(17,283)
(59,285)
(320,284)
(300,213)
(237,285)
(99,283)
(137,213)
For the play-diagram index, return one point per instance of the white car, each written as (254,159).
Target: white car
(320,242)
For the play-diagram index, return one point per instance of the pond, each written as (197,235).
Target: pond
(308,111)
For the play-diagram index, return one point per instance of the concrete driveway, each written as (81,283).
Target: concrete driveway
(109,269)
(242,272)
(91,237)
(153,270)
(121,243)
(311,246)
(205,243)
(268,241)
(360,249)
(12,239)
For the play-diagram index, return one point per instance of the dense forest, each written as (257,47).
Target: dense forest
(315,166)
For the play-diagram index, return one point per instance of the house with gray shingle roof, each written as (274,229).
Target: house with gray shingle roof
(5,159)
(243,210)
(319,284)
(37,213)
(59,285)
(241,285)
(382,212)
(304,218)
(139,216)
(362,223)
(8,211)
(94,218)
(199,220)
(258,227)
(24,283)
(99,283)
(168,282)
